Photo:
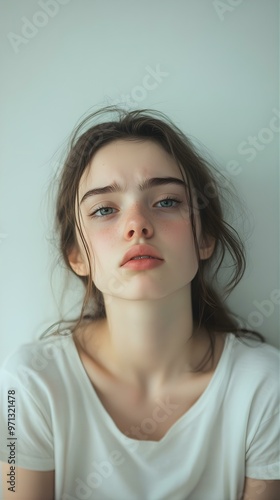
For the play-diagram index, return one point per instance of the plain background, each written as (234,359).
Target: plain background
(217,78)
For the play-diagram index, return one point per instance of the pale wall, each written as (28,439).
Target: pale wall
(220,84)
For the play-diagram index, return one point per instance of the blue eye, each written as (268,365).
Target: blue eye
(101,208)
(104,207)
(169,199)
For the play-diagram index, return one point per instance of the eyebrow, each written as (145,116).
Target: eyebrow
(147,184)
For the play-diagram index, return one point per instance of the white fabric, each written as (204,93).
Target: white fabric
(232,431)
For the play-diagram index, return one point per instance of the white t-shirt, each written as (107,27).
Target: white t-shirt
(232,430)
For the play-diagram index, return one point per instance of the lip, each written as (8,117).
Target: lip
(142,264)
(140,250)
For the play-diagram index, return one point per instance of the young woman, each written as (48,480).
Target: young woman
(155,392)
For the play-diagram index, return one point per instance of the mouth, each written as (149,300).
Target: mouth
(142,263)
(141,253)
(143,257)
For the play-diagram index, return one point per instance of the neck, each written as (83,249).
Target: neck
(150,339)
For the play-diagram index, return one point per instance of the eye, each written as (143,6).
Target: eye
(169,199)
(102,207)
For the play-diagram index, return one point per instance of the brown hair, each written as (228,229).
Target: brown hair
(209,309)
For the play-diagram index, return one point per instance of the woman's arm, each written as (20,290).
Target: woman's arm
(261,489)
(29,484)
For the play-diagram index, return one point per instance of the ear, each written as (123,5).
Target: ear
(77,262)
(206,248)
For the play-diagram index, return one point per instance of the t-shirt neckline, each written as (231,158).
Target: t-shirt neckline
(189,415)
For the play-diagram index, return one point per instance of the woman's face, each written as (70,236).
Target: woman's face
(134,217)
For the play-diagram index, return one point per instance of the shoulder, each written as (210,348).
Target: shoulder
(251,355)
(253,374)
(37,359)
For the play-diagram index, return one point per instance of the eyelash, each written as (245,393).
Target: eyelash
(93,214)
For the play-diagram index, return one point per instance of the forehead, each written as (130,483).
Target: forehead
(128,162)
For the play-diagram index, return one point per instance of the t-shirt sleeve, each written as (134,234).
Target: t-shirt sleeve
(263,456)
(24,422)
(263,443)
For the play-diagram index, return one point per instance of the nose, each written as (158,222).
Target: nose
(138,224)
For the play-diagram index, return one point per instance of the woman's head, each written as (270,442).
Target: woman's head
(137,146)
(144,202)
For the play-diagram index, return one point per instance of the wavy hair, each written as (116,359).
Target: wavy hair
(203,184)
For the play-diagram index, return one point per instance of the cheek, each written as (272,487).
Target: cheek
(180,236)
(102,243)
(179,231)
